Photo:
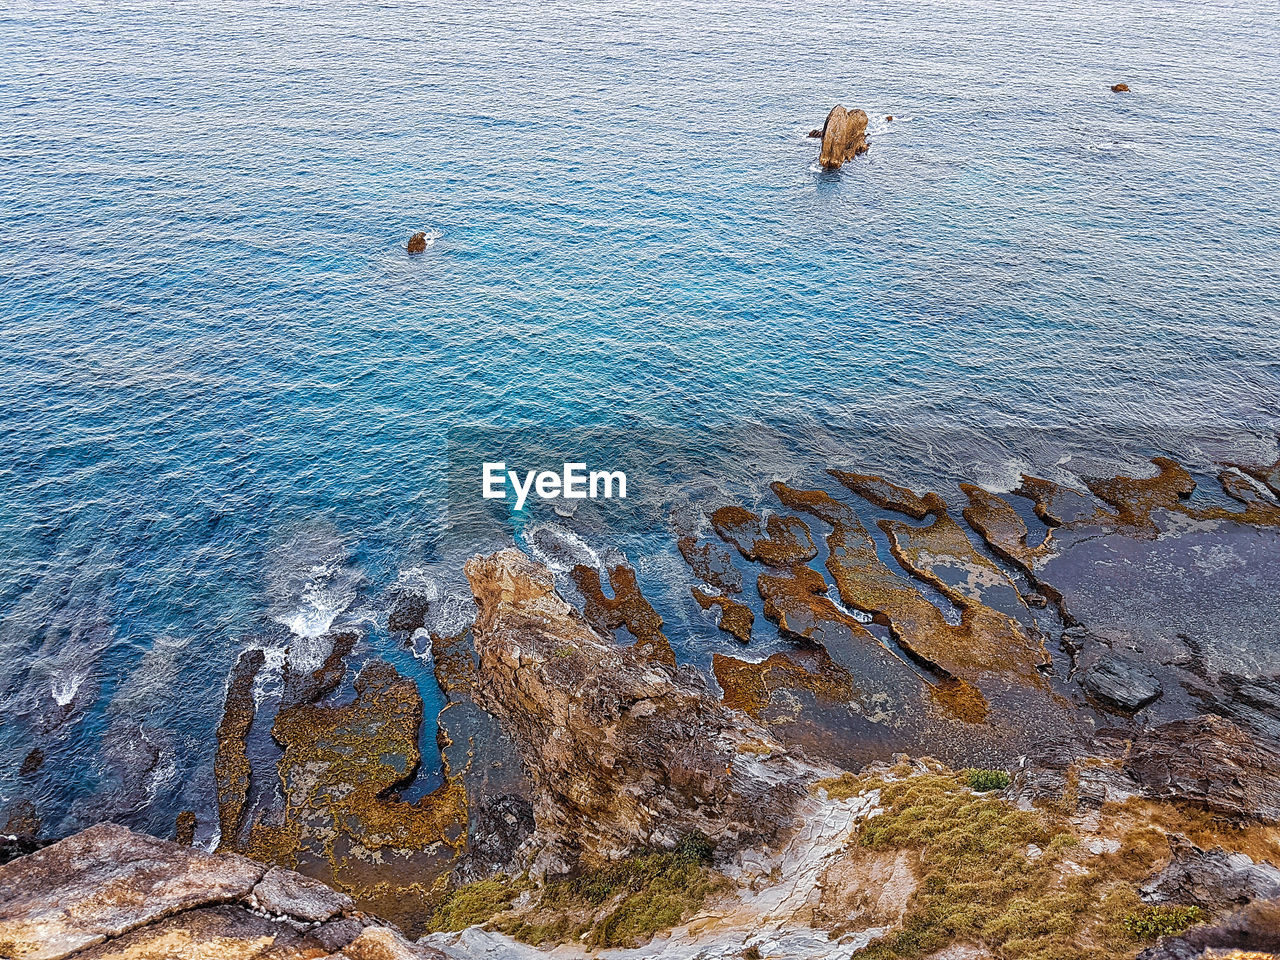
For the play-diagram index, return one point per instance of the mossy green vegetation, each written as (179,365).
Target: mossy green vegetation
(993,874)
(477,902)
(986,780)
(621,904)
(1155,922)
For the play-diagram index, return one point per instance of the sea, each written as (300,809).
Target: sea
(235,412)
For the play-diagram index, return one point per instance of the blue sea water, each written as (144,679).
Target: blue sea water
(230,402)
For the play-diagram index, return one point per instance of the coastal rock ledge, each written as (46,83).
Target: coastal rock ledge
(108,893)
(623,749)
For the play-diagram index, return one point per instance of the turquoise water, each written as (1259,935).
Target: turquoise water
(228,393)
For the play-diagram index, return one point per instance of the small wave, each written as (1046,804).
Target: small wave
(65,688)
(559,548)
(311,582)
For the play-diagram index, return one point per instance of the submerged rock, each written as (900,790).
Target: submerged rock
(1119,88)
(623,751)
(844,136)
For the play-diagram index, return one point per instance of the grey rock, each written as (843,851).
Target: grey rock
(1212,879)
(1122,683)
(284,892)
(1210,761)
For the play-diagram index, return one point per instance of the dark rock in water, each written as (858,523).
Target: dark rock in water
(33,762)
(418,242)
(1119,88)
(1122,683)
(13,847)
(1210,761)
(623,751)
(844,136)
(889,119)
(1212,879)
(815,134)
(408,612)
(1255,930)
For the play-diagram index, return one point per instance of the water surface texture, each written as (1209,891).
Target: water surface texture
(227,393)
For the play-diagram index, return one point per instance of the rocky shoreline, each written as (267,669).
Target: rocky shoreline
(1083,663)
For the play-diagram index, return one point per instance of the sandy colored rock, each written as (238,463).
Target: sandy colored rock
(844,136)
(622,752)
(212,933)
(104,882)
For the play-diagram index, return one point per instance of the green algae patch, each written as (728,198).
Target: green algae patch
(1005,878)
(621,904)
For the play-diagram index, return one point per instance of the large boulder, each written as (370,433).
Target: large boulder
(844,136)
(624,751)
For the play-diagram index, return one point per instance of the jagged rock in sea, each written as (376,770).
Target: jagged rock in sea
(624,751)
(1119,88)
(108,893)
(418,242)
(844,136)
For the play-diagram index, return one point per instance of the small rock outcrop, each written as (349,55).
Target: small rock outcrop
(1121,683)
(108,893)
(844,136)
(1214,879)
(418,242)
(1254,931)
(624,751)
(1119,88)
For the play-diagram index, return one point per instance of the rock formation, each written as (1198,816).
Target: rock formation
(623,751)
(1119,88)
(844,136)
(108,893)
(418,242)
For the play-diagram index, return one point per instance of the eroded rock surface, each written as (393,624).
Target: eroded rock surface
(844,136)
(108,893)
(623,752)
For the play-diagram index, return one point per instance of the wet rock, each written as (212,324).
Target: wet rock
(184,831)
(12,846)
(1121,683)
(626,608)
(777,542)
(341,818)
(1210,761)
(418,242)
(622,752)
(284,892)
(844,136)
(736,619)
(1119,88)
(1212,879)
(888,119)
(104,882)
(32,763)
(711,564)
(302,686)
(409,612)
(231,762)
(1254,930)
